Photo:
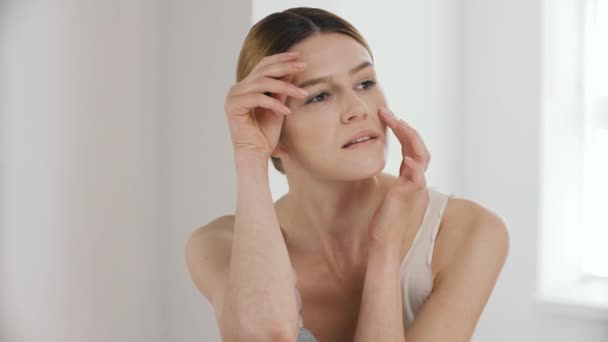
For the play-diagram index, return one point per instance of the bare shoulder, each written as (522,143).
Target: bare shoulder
(219,228)
(213,240)
(465,224)
(207,254)
(470,251)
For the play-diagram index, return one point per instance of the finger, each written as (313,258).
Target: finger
(412,170)
(411,177)
(282,97)
(271,86)
(252,101)
(278,70)
(276,58)
(411,143)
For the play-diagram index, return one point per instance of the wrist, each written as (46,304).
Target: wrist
(246,160)
(384,253)
(251,172)
(384,267)
(382,245)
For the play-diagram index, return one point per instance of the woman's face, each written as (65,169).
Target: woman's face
(338,107)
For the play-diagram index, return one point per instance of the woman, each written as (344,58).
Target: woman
(349,253)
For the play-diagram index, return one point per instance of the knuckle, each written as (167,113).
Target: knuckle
(247,87)
(252,76)
(240,87)
(255,83)
(257,79)
(253,79)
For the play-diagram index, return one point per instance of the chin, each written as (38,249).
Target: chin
(349,167)
(364,170)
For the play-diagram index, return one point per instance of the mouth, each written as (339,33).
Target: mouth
(360,142)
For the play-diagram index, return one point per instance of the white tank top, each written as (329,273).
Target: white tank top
(417,276)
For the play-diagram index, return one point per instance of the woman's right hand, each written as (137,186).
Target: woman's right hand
(254,118)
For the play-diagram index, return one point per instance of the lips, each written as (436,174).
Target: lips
(370,133)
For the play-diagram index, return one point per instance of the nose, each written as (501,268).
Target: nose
(355,108)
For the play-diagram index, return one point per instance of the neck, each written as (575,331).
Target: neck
(330,220)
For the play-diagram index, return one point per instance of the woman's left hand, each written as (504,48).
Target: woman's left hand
(400,214)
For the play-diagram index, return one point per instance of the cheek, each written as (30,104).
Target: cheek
(311,138)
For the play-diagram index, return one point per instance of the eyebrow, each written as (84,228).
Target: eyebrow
(327,78)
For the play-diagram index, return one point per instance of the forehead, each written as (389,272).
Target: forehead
(327,54)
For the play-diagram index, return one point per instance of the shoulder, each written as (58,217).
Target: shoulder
(469,227)
(219,228)
(471,247)
(207,253)
(461,211)
(211,239)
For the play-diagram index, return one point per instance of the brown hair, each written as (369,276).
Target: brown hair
(279,31)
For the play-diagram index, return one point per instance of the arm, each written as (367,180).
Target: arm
(250,288)
(381,312)
(460,291)
(462,287)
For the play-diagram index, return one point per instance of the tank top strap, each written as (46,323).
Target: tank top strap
(417,273)
(427,231)
(439,202)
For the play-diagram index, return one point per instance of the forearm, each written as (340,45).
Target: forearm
(381,304)
(260,290)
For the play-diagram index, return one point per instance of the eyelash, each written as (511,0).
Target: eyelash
(370,82)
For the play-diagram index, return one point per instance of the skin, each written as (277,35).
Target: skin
(334,198)
(335,195)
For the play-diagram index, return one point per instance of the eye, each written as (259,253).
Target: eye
(321,95)
(369,83)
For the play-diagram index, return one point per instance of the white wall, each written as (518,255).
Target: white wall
(80,172)
(498,85)
(413,48)
(204,38)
